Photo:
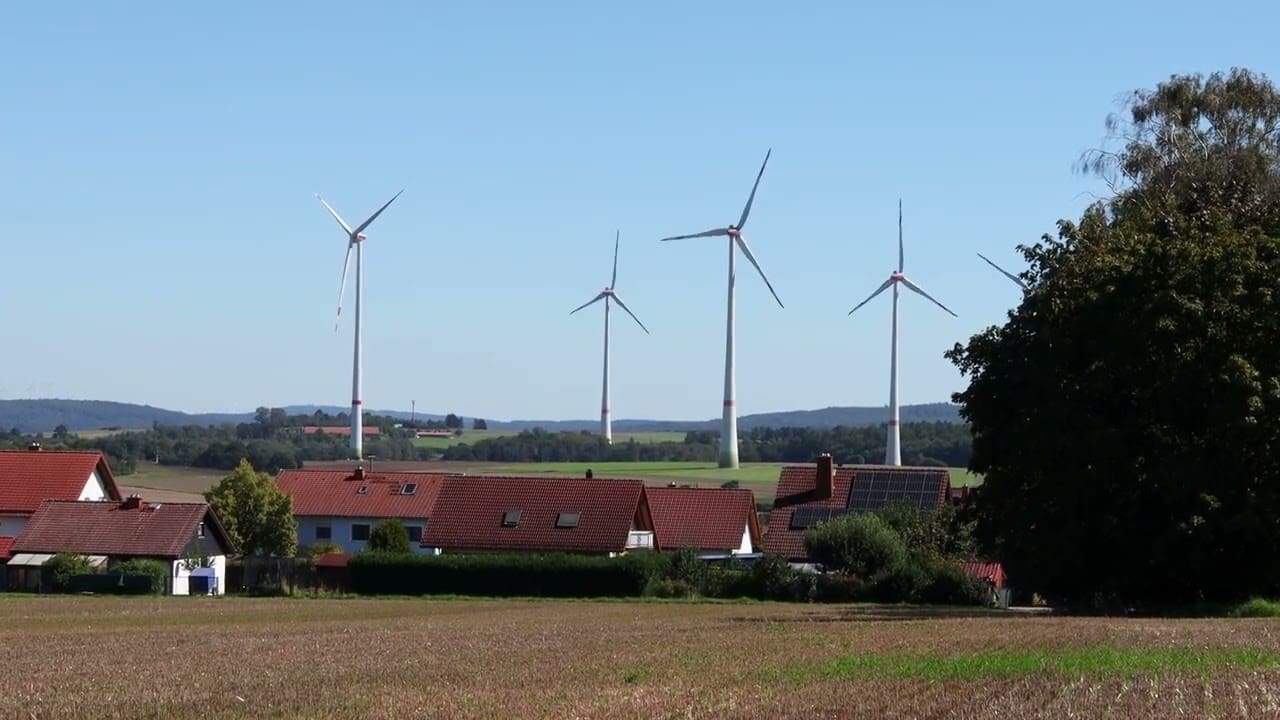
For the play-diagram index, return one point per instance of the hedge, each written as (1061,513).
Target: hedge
(112,584)
(555,575)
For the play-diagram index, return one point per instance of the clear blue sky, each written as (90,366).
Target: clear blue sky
(163,245)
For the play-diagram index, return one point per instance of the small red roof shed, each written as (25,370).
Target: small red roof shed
(703,519)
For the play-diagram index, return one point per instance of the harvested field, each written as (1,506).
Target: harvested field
(233,657)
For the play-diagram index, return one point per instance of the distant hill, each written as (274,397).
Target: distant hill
(46,414)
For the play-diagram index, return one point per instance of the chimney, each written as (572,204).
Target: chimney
(133,502)
(34,447)
(358,474)
(590,474)
(824,484)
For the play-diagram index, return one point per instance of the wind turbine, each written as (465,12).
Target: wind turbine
(729,418)
(607,294)
(355,239)
(1021,283)
(892,449)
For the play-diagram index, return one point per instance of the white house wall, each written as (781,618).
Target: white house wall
(340,532)
(744,548)
(94,489)
(182,574)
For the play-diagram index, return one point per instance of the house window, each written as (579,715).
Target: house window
(360,532)
(324,532)
(567,520)
(415,533)
(511,518)
(200,530)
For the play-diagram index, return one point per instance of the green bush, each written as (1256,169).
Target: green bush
(1257,608)
(323,547)
(949,584)
(390,536)
(838,588)
(685,566)
(60,569)
(727,582)
(671,588)
(555,575)
(111,584)
(772,578)
(155,572)
(903,582)
(860,544)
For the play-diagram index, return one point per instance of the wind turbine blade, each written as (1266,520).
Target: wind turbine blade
(616,237)
(590,302)
(633,315)
(335,214)
(342,287)
(742,221)
(742,243)
(1021,283)
(900,253)
(374,216)
(709,233)
(916,288)
(872,296)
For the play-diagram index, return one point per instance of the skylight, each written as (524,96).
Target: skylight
(362,490)
(409,489)
(511,518)
(567,520)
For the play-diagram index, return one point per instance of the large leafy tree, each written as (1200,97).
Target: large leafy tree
(255,513)
(1127,415)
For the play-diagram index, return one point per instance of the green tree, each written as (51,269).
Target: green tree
(859,544)
(1127,415)
(255,513)
(390,536)
(479,424)
(61,568)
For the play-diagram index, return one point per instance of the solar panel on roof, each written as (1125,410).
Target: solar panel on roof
(874,489)
(806,517)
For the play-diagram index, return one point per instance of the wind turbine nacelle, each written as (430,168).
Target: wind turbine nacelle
(734,232)
(896,276)
(360,237)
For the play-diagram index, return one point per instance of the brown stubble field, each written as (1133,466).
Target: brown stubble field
(230,657)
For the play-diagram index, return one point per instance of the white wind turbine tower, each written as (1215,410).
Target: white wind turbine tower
(607,294)
(1021,283)
(729,418)
(892,449)
(355,239)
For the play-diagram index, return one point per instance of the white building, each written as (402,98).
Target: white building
(29,477)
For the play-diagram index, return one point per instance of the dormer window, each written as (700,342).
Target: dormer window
(409,489)
(511,518)
(567,519)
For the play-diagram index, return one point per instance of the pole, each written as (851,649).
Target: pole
(729,420)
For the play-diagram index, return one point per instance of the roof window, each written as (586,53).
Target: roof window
(511,518)
(567,519)
(409,489)
(362,490)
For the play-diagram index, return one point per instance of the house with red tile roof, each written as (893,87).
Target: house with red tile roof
(810,494)
(714,522)
(342,506)
(186,536)
(29,477)
(540,514)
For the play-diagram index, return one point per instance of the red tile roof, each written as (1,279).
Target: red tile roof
(796,490)
(470,509)
(702,518)
(336,493)
(5,544)
(29,477)
(339,430)
(992,572)
(118,529)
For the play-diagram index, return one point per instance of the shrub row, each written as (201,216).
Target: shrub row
(72,573)
(556,575)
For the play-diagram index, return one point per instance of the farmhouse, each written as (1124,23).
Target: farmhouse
(187,536)
(714,522)
(341,507)
(29,477)
(340,430)
(810,494)
(540,514)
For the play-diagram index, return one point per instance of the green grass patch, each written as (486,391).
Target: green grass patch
(963,477)
(1257,608)
(749,473)
(1073,662)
